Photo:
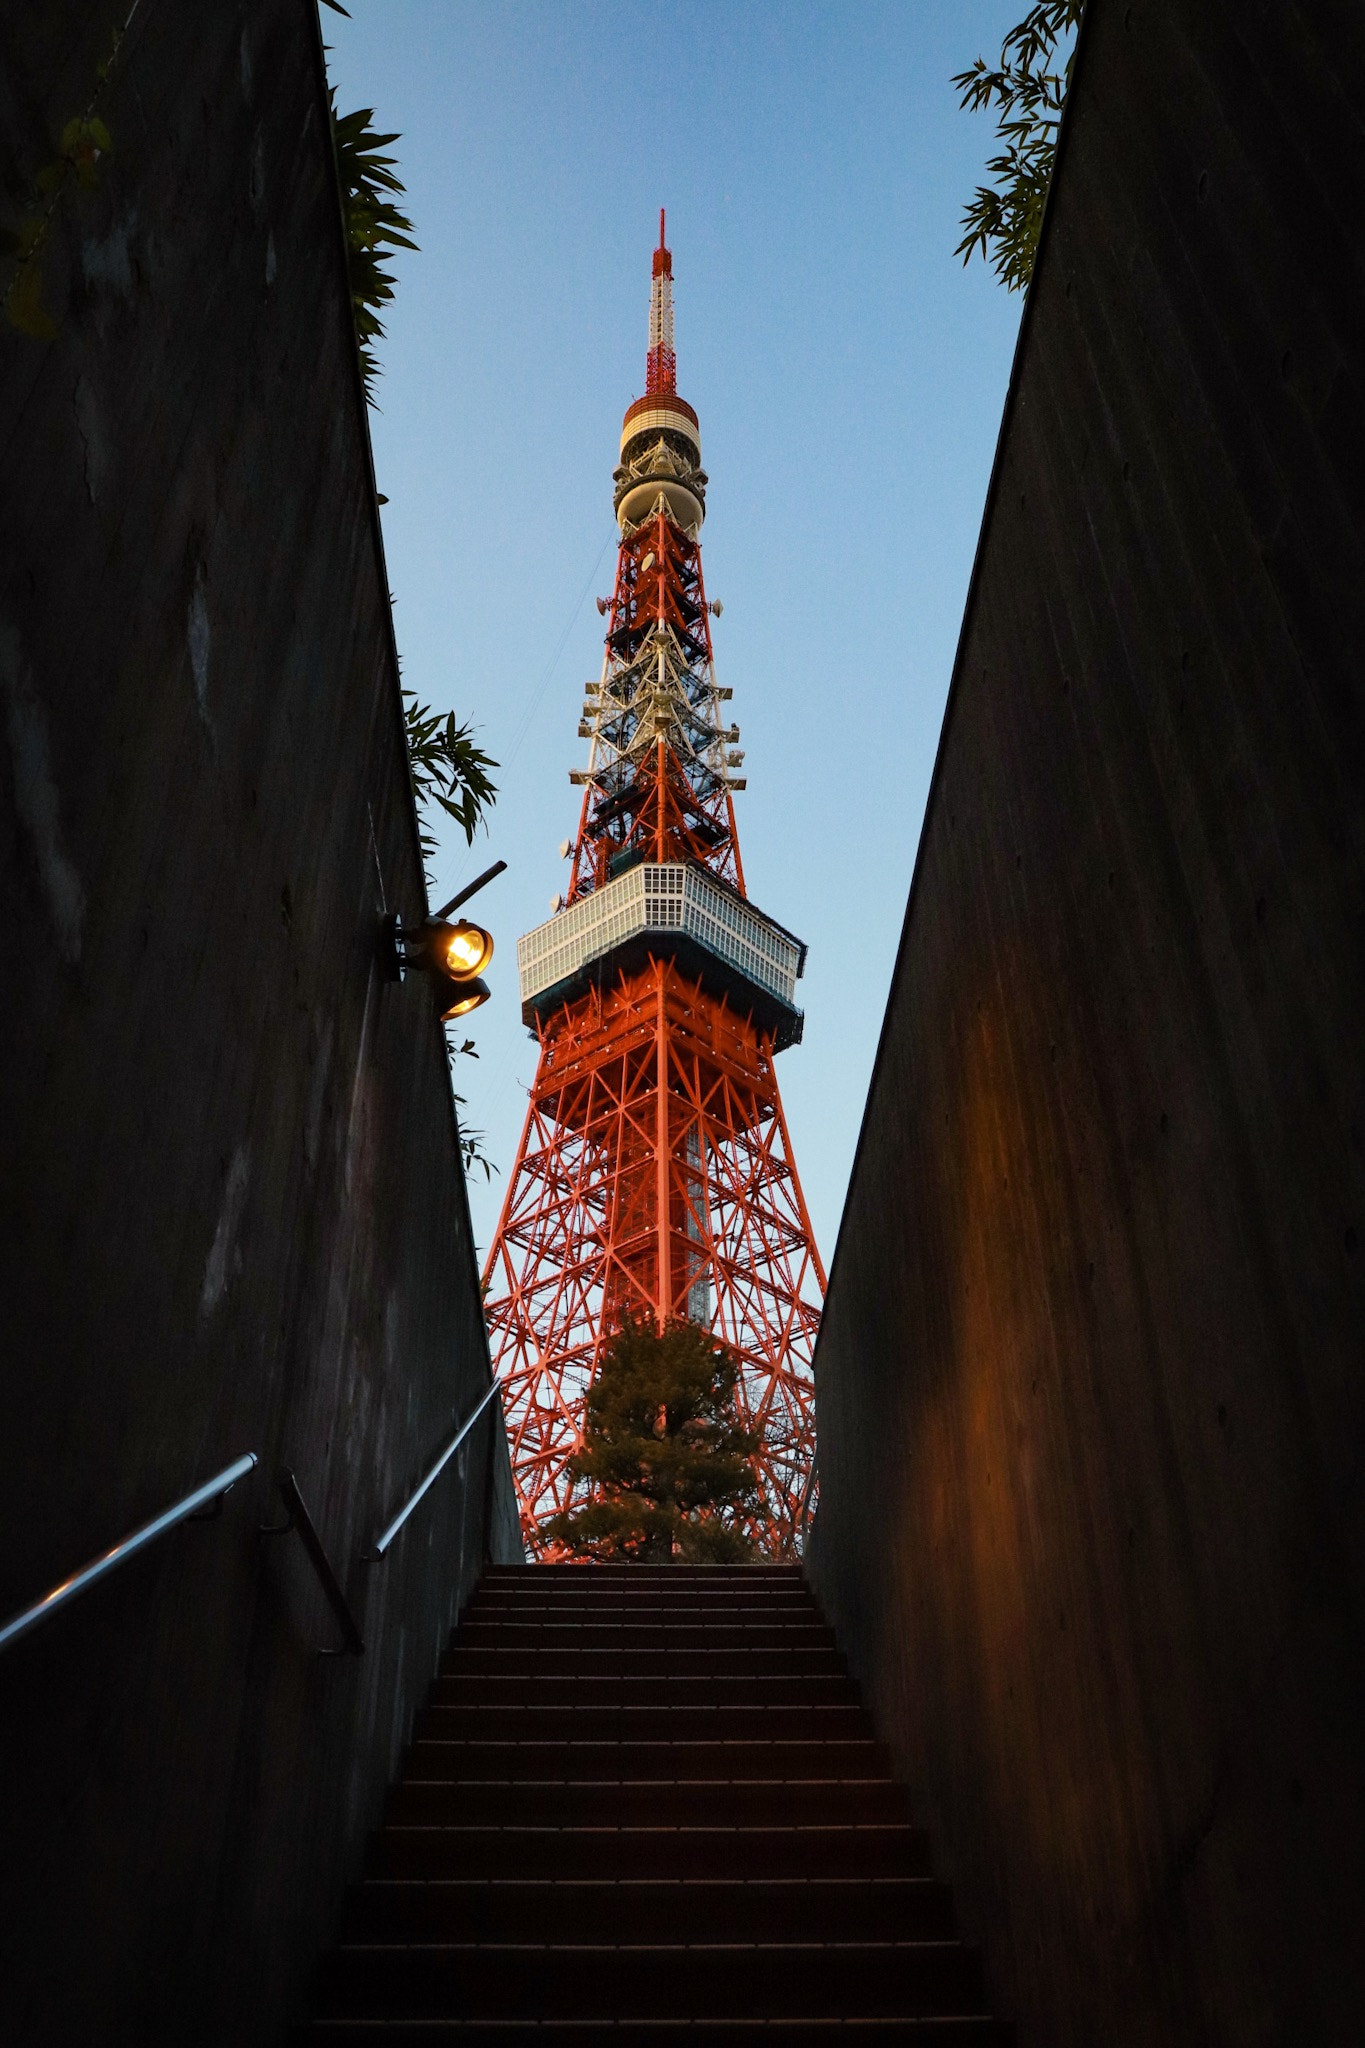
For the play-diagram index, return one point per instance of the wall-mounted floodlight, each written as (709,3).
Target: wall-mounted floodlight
(452,955)
(465,998)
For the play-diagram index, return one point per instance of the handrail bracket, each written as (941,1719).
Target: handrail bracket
(298,1517)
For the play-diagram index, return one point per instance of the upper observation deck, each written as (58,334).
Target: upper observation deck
(675,910)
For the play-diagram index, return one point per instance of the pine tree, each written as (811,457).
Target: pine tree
(665,1463)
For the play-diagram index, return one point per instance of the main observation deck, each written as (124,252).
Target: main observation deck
(675,910)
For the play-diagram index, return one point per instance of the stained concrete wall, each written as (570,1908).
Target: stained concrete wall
(233,1214)
(1091,1405)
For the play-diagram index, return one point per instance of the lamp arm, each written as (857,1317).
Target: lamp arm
(488,875)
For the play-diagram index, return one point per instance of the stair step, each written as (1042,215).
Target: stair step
(756,1692)
(893,1849)
(569,1655)
(644,1805)
(946,2032)
(632,1611)
(643,1574)
(652,1803)
(732,1981)
(661,1600)
(560,1723)
(710,1638)
(669,1762)
(647,1590)
(803,1909)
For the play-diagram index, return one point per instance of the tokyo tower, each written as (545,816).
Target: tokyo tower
(655,1174)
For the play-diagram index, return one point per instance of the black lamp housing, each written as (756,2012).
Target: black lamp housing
(458,998)
(449,953)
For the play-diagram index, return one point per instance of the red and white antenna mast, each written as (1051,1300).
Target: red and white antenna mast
(661,369)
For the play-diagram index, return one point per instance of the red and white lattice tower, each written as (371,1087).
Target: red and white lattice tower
(655,1173)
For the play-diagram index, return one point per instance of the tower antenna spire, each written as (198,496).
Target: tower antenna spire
(661,366)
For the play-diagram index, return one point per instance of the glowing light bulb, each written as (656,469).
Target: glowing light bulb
(468,948)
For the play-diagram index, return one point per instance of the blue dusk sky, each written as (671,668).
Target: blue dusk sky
(849,375)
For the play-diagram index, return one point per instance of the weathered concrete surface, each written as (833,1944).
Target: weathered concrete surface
(1091,1403)
(233,1216)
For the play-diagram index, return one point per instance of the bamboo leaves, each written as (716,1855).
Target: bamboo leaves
(375,226)
(447,768)
(1003,221)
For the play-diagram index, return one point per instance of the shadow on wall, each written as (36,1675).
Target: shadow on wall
(233,1217)
(1089,1396)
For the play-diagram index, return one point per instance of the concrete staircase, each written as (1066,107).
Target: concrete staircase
(645,1805)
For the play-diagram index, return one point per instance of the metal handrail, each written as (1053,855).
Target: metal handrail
(211,1491)
(379,1548)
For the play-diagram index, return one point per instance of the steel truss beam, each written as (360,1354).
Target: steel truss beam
(592,1227)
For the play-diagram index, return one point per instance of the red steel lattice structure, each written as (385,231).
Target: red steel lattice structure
(655,1172)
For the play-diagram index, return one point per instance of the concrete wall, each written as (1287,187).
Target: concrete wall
(1091,1401)
(233,1215)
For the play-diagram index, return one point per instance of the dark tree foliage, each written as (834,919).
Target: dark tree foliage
(1003,220)
(669,1468)
(26,228)
(447,769)
(374,225)
(446,766)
